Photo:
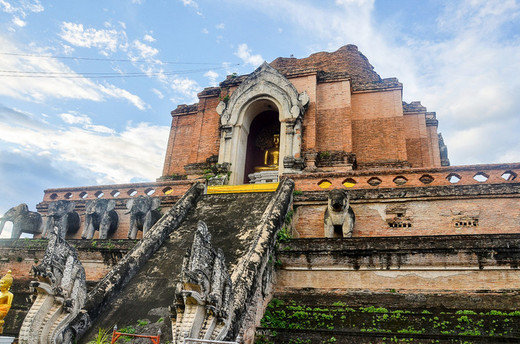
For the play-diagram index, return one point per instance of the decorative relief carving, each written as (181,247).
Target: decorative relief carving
(465,218)
(339,216)
(61,293)
(143,214)
(61,216)
(24,221)
(100,216)
(202,296)
(396,217)
(221,107)
(264,86)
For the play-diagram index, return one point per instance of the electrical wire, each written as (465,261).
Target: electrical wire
(108,59)
(90,75)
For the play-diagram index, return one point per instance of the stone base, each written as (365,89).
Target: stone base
(222,180)
(263,177)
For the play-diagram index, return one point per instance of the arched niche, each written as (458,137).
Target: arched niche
(264,90)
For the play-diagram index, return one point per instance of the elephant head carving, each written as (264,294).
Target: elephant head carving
(23,221)
(100,216)
(143,214)
(339,216)
(61,214)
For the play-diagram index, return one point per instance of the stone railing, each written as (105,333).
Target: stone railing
(413,177)
(119,191)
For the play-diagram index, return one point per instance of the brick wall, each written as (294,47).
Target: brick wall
(180,143)
(418,211)
(334,128)
(406,264)
(208,130)
(351,109)
(417,140)
(378,127)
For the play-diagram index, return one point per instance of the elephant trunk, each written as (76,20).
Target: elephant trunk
(3,220)
(49,227)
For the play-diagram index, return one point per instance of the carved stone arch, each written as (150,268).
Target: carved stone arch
(264,88)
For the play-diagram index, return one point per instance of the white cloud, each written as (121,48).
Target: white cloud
(22,7)
(244,53)
(75,119)
(20,10)
(67,49)
(193,4)
(145,51)
(212,76)
(186,87)
(117,92)
(355,2)
(100,129)
(39,89)
(85,122)
(190,3)
(107,40)
(205,31)
(18,22)
(112,158)
(220,26)
(158,93)
(149,38)
(6,6)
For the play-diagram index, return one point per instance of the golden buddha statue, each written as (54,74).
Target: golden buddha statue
(271,156)
(6,298)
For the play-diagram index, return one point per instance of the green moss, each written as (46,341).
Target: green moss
(289,314)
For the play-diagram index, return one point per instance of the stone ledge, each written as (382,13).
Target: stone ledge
(432,192)
(90,245)
(451,243)
(184,109)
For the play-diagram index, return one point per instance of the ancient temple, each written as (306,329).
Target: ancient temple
(329,111)
(307,189)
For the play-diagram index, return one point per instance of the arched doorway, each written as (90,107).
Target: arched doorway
(260,142)
(266,97)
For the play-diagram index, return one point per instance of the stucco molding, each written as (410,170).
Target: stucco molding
(264,86)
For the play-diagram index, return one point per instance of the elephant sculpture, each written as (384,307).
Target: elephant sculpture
(143,214)
(23,221)
(61,214)
(100,216)
(339,216)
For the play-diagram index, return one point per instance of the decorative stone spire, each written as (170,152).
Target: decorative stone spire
(203,294)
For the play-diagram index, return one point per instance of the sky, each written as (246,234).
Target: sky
(87,87)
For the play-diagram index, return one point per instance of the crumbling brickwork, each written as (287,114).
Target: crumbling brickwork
(351,109)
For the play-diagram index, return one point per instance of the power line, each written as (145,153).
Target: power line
(109,59)
(91,75)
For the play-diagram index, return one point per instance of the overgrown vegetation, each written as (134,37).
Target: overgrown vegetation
(217,171)
(288,315)
(104,336)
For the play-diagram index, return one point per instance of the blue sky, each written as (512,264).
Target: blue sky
(86,87)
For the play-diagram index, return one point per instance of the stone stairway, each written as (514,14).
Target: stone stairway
(142,307)
(331,319)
